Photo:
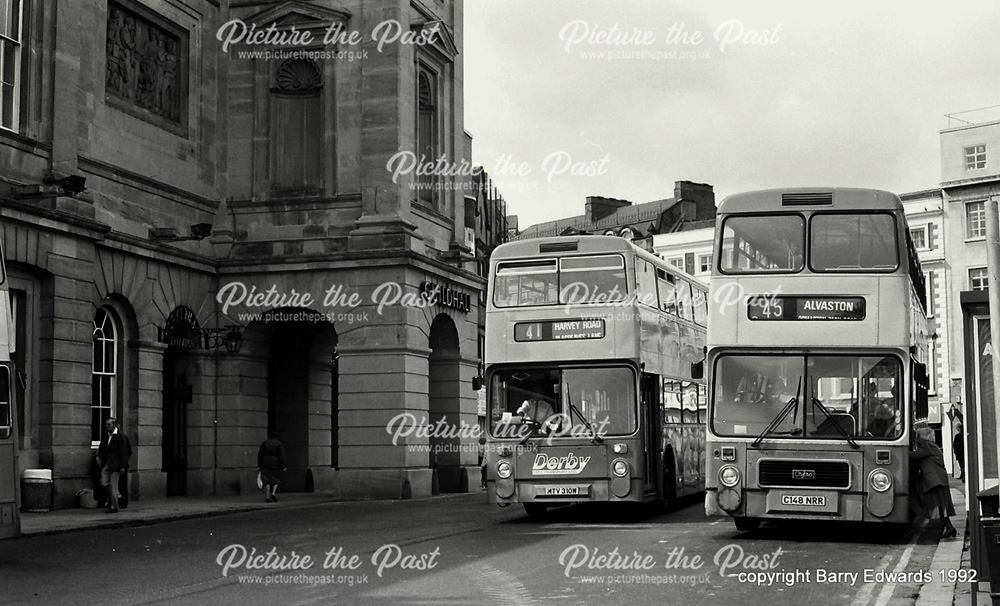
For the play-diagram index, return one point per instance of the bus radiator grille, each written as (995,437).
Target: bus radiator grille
(805,473)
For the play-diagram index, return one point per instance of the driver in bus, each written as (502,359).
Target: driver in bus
(538,410)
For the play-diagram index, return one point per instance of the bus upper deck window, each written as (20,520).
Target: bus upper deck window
(762,244)
(853,242)
(595,278)
(5,412)
(523,283)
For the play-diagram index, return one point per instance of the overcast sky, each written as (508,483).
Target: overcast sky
(846,93)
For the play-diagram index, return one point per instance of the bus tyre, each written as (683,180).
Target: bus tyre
(535,511)
(747,524)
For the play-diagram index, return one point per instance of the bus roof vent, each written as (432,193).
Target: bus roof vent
(807,198)
(550,247)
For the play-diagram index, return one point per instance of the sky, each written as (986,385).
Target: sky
(570,98)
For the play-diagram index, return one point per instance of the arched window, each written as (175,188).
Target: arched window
(427,144)
(104,373)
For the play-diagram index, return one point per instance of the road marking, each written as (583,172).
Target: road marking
(568,526)
(868,589)
(886,594)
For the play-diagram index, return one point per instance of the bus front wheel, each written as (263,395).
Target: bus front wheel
(535,511)
(747,524)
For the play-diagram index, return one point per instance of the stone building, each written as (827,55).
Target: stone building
(209,241)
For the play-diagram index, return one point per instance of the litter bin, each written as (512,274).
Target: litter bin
(989,502)
(36,490)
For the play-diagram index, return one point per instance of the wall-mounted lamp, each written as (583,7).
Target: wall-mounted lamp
(51,187)
(230,337)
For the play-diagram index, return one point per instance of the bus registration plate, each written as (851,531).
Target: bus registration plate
(803,500)
(563,491)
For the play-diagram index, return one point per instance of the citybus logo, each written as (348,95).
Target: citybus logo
(569,465)
(803,474)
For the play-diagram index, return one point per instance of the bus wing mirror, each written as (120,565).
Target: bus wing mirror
(477,383)
(698,370)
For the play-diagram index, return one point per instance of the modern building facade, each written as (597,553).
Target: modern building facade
(212,243)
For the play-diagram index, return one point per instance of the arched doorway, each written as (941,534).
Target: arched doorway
(181,334)
(301,394)
(443,381)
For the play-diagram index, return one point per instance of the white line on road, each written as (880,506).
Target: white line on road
(886,594)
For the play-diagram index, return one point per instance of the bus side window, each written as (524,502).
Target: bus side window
(691,404)
(700,303)
(702,404)
(645,280)
(671,402)
(5,419)
(665,287)
(684,300)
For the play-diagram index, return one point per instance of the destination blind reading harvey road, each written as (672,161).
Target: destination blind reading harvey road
(805,308)
(559,330)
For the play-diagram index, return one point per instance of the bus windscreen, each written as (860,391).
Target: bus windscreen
(853,242)
(562,402)
(762,244)
(835,395)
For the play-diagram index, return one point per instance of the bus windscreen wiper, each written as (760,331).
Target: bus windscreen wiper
(793,404)
(572,408)
(836,425)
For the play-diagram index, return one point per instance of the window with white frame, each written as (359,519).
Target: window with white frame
(676,262)
(10,62)
(978,279)
(932,368)
(975,157)
(103,373)
(704,263)
(929,286)
(919,237)
(975,219)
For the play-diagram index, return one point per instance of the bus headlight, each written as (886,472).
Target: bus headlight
(729,476)
(880,480)
(620,468)
(504,469)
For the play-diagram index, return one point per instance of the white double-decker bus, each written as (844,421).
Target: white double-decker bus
(816,357)
(594,390)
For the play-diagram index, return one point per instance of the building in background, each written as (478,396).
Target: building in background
(692,207)
(970,175)
(165,205)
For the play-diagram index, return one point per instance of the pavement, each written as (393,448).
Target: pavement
(950,554)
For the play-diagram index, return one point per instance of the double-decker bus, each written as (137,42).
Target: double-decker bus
(816,355)
(9,518)
(594,351)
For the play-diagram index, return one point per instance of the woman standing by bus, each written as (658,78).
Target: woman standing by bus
(933,480)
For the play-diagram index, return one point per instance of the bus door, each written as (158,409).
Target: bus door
(9,521)
(649,402)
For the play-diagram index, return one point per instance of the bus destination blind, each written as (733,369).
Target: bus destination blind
(559,330)
(805,308)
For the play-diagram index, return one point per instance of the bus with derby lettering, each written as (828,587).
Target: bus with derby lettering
(817,346)
(593,374)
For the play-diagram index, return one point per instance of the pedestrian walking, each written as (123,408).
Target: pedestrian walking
(933,485)
(271,466)
(112,457)
(958,438)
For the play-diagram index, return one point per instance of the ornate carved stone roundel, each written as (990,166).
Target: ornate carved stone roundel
(298,76)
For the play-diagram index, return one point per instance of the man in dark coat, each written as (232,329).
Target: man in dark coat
(112,458)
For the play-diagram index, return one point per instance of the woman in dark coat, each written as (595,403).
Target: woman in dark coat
(271,464)
(933,479)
